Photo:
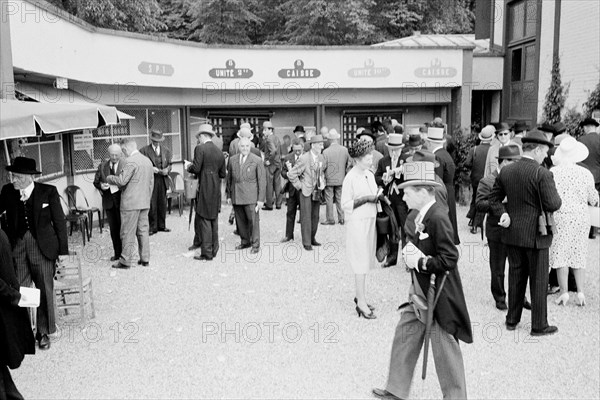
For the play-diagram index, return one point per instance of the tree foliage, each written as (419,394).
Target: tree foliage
(556,96)
(223,21)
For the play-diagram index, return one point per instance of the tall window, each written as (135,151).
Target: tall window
(521,58)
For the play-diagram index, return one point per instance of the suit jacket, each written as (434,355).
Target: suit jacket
(284,172)
(304,174)
(517,183)
(451,310)
(273,151)
(493,231)
(592,142)
(166,160)
(336,158)
(476,161)
(382,165)
(233,148)
(136,182)
(209,167)
(109,200)
(246,184)
(48,218)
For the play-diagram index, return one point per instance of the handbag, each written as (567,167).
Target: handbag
(383,223)
(546,225)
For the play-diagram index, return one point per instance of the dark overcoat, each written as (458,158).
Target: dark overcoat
(209,167)
(445,169)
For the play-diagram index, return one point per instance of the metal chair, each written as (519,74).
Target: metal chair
(76,218)
(173,193)
(71,191)
(71,288)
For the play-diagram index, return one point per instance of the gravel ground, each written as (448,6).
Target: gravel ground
(282,325)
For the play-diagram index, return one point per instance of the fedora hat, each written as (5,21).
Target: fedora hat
(424,155)
(359,148)
(418,173)
(487,132)
(547,127)
(571,151)
(501,127)
(299,128)
(333,134)
(520,126)
(435,135)
(589,121)
(23,165)
(316,139)
(559,127)
(246,125)
(536,136)
(244,133)
(394,141)
(511,152)
(268,124)
(415,140)
(207,129)
(156,136)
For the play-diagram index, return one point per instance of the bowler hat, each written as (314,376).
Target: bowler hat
(435,135)
(299,128)
(23,165)
(487,132)
(394,140)
(589,121)
(156,136)
(536,136)
(206,129)
(418,173)
(511,152)
(520,126)
(501,127)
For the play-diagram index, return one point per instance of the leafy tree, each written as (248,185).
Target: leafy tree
(178,18)
(593,102)
(223,21)
(556,96)
(126,15)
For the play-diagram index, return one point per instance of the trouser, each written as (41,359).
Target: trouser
(333,193)
(113,215)
(401,213)
(248,224)
(273,186)
(206,236)
(290,217)
(408,341)
(472,211)
(134,225)
(158,204)
(498,255)
(32,266)
(532,264)
(8,389)
(309,219)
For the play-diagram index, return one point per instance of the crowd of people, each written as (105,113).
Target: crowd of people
(531,187)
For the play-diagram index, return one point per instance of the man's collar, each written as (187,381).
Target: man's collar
(28,190)
(426,208)
(133,152)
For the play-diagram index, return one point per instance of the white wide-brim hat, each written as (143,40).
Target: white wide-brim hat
(571,151)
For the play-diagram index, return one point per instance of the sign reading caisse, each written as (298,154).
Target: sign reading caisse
(299,71)
(435,70)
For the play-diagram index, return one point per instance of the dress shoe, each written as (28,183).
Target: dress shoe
(501,305)
(242,246)
(510,327)
(308,248)
(563,299)
(553,289)
(265,208)
(231,219)
(278,207)
(527,305)
(202,257)
(151,233)
(115,258)
(389,263)
(315,243)
(368,305)
(286,239)
(363,314)
(341,222)
(120,265)
(471,222)
(549,330)
(164,230)
(236,232)
(384,394)
(473,230)
(193,247)
(327,223)
(44,342)
(255,250)
(143,263)
(580,299)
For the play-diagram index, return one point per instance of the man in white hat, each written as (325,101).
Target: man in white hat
(336,159)
(476,162)
(209,167)
(445,169)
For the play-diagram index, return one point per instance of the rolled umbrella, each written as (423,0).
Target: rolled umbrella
(429,324)
(192,203)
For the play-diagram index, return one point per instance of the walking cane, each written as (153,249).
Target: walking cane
(432,299)
(192,203)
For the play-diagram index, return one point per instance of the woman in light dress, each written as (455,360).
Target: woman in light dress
(359,202)
(575,185)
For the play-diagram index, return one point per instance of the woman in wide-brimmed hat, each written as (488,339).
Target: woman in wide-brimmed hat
(359,202)
(575,185)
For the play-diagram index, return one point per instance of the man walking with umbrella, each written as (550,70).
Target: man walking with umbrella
(432,257)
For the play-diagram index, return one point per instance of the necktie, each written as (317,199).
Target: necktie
(418,220)
(157,150)
(114,168)
(23,195)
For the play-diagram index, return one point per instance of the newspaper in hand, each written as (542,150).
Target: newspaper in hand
(30,297)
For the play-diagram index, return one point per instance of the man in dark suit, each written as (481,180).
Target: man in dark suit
(37,231)
(136,182)
(336,157)
(431,254)
(445,169)
(161,159)
(111,199)
(591,139)
(293,201)
(246,187)
(16,337)
(209,167)
(528,189)
(476,162)
(272,167)
(389,176)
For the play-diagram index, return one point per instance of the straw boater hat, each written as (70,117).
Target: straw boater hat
(23,165)
(435,135)
(487,133)
(206,129)
(536,136)
(511,152)
(419,173)
(333,134)
(359,148)
(571,151)
(156,136)
(394,141)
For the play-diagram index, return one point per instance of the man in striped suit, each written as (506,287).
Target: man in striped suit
(528,190)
